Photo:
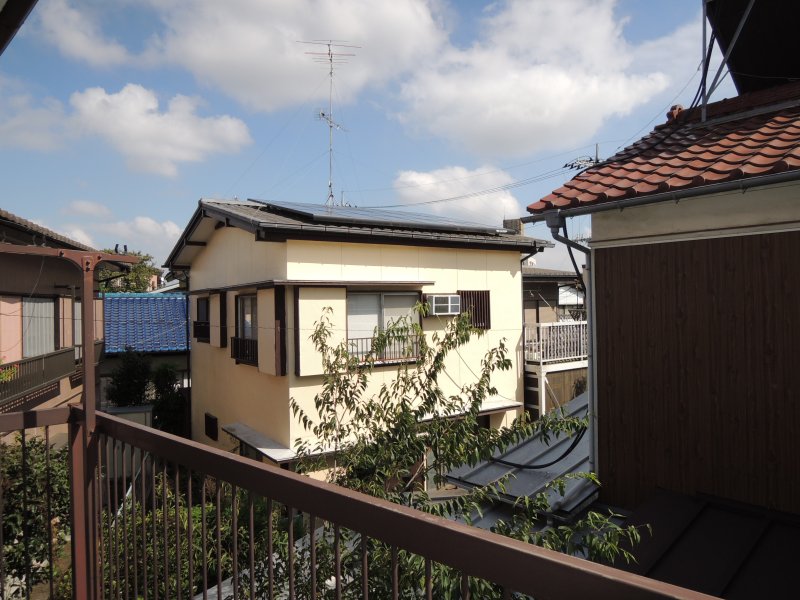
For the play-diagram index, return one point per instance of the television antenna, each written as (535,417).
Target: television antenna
(331,57)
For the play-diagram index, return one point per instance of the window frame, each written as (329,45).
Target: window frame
(199,324)
(382,320)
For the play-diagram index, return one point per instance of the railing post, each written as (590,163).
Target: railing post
(82,509)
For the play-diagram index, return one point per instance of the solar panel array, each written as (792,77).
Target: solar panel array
(378,217)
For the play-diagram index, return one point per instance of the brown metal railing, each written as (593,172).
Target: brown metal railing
(201,330)
(395,350)
(30,374)
(245,350)
(171,518)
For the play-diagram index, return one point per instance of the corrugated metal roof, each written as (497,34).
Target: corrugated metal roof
(528,482)
(145,322)
(717,547)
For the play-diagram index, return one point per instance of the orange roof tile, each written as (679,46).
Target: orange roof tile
(747,136)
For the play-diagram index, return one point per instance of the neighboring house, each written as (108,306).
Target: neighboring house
(152,324)
(556,338)
(261,274)
(40,320)
(695,239)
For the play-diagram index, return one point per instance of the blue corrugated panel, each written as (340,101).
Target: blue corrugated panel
(145,322)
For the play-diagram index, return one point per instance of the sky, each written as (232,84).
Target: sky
(117,116)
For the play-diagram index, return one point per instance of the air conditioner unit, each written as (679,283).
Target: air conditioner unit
(444,304)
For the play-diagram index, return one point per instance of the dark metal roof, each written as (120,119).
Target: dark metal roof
(16,230)
(716,547)
(767,51)
(279,222)
(12,15)
(537,451)
(547,274)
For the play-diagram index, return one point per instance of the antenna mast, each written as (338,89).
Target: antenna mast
(330,58)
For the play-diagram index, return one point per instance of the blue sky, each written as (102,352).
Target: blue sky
(117,116)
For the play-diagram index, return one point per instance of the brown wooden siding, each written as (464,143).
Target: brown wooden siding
(698,364)
(561,384)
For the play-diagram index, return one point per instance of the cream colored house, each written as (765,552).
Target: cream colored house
(261,274)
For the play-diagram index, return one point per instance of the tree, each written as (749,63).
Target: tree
(135,280)
(389,443)
(130,380)
(169,404)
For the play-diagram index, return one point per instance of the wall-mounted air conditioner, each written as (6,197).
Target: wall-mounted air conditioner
(444,304)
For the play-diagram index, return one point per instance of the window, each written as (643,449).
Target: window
(211,427)
(246,318)
(477,304)
(202,326)
(368,312)
(244,347)
(38,326)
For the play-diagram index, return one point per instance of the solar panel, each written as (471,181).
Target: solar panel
(378,217)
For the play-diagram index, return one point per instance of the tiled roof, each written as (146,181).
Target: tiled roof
(48,237)
(744,137)
(145,322)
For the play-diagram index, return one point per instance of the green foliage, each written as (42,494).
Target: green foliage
(135,280)
(25,491)
(169,404)
(130,380)
(7,373)
(390,442)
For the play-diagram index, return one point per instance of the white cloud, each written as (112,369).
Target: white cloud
(26,123)
(413,187)
(151,140)
(79,235)
(249,49)
(543,75)
(141,233)
(77,35)
(87,208)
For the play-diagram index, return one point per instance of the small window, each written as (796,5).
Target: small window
(244,346)
(476,303)
(212,427)
(202,309)
(444,304)
(247,318)
(202,326)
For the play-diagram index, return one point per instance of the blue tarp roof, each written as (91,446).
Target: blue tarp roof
(145,322)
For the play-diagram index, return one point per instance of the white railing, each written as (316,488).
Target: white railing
(551,342)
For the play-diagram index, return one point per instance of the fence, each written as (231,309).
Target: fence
(551,342)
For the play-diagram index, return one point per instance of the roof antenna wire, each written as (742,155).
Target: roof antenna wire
(330,57)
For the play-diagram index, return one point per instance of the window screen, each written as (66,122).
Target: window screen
(38,326)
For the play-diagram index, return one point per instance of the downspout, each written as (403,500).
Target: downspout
(557,222)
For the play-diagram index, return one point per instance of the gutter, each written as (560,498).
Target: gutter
(726,186)
(557,221)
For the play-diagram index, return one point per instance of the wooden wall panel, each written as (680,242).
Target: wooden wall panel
(698,365)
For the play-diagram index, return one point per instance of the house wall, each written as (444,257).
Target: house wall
(253,395)
(697,360)
(10,328)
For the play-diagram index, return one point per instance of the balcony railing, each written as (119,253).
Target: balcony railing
(398,350)
(556,342)
(245,350)
(152,515)
(201,330)
(30,374)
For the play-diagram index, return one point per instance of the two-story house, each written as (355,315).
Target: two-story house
(40,320)
(260,275)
